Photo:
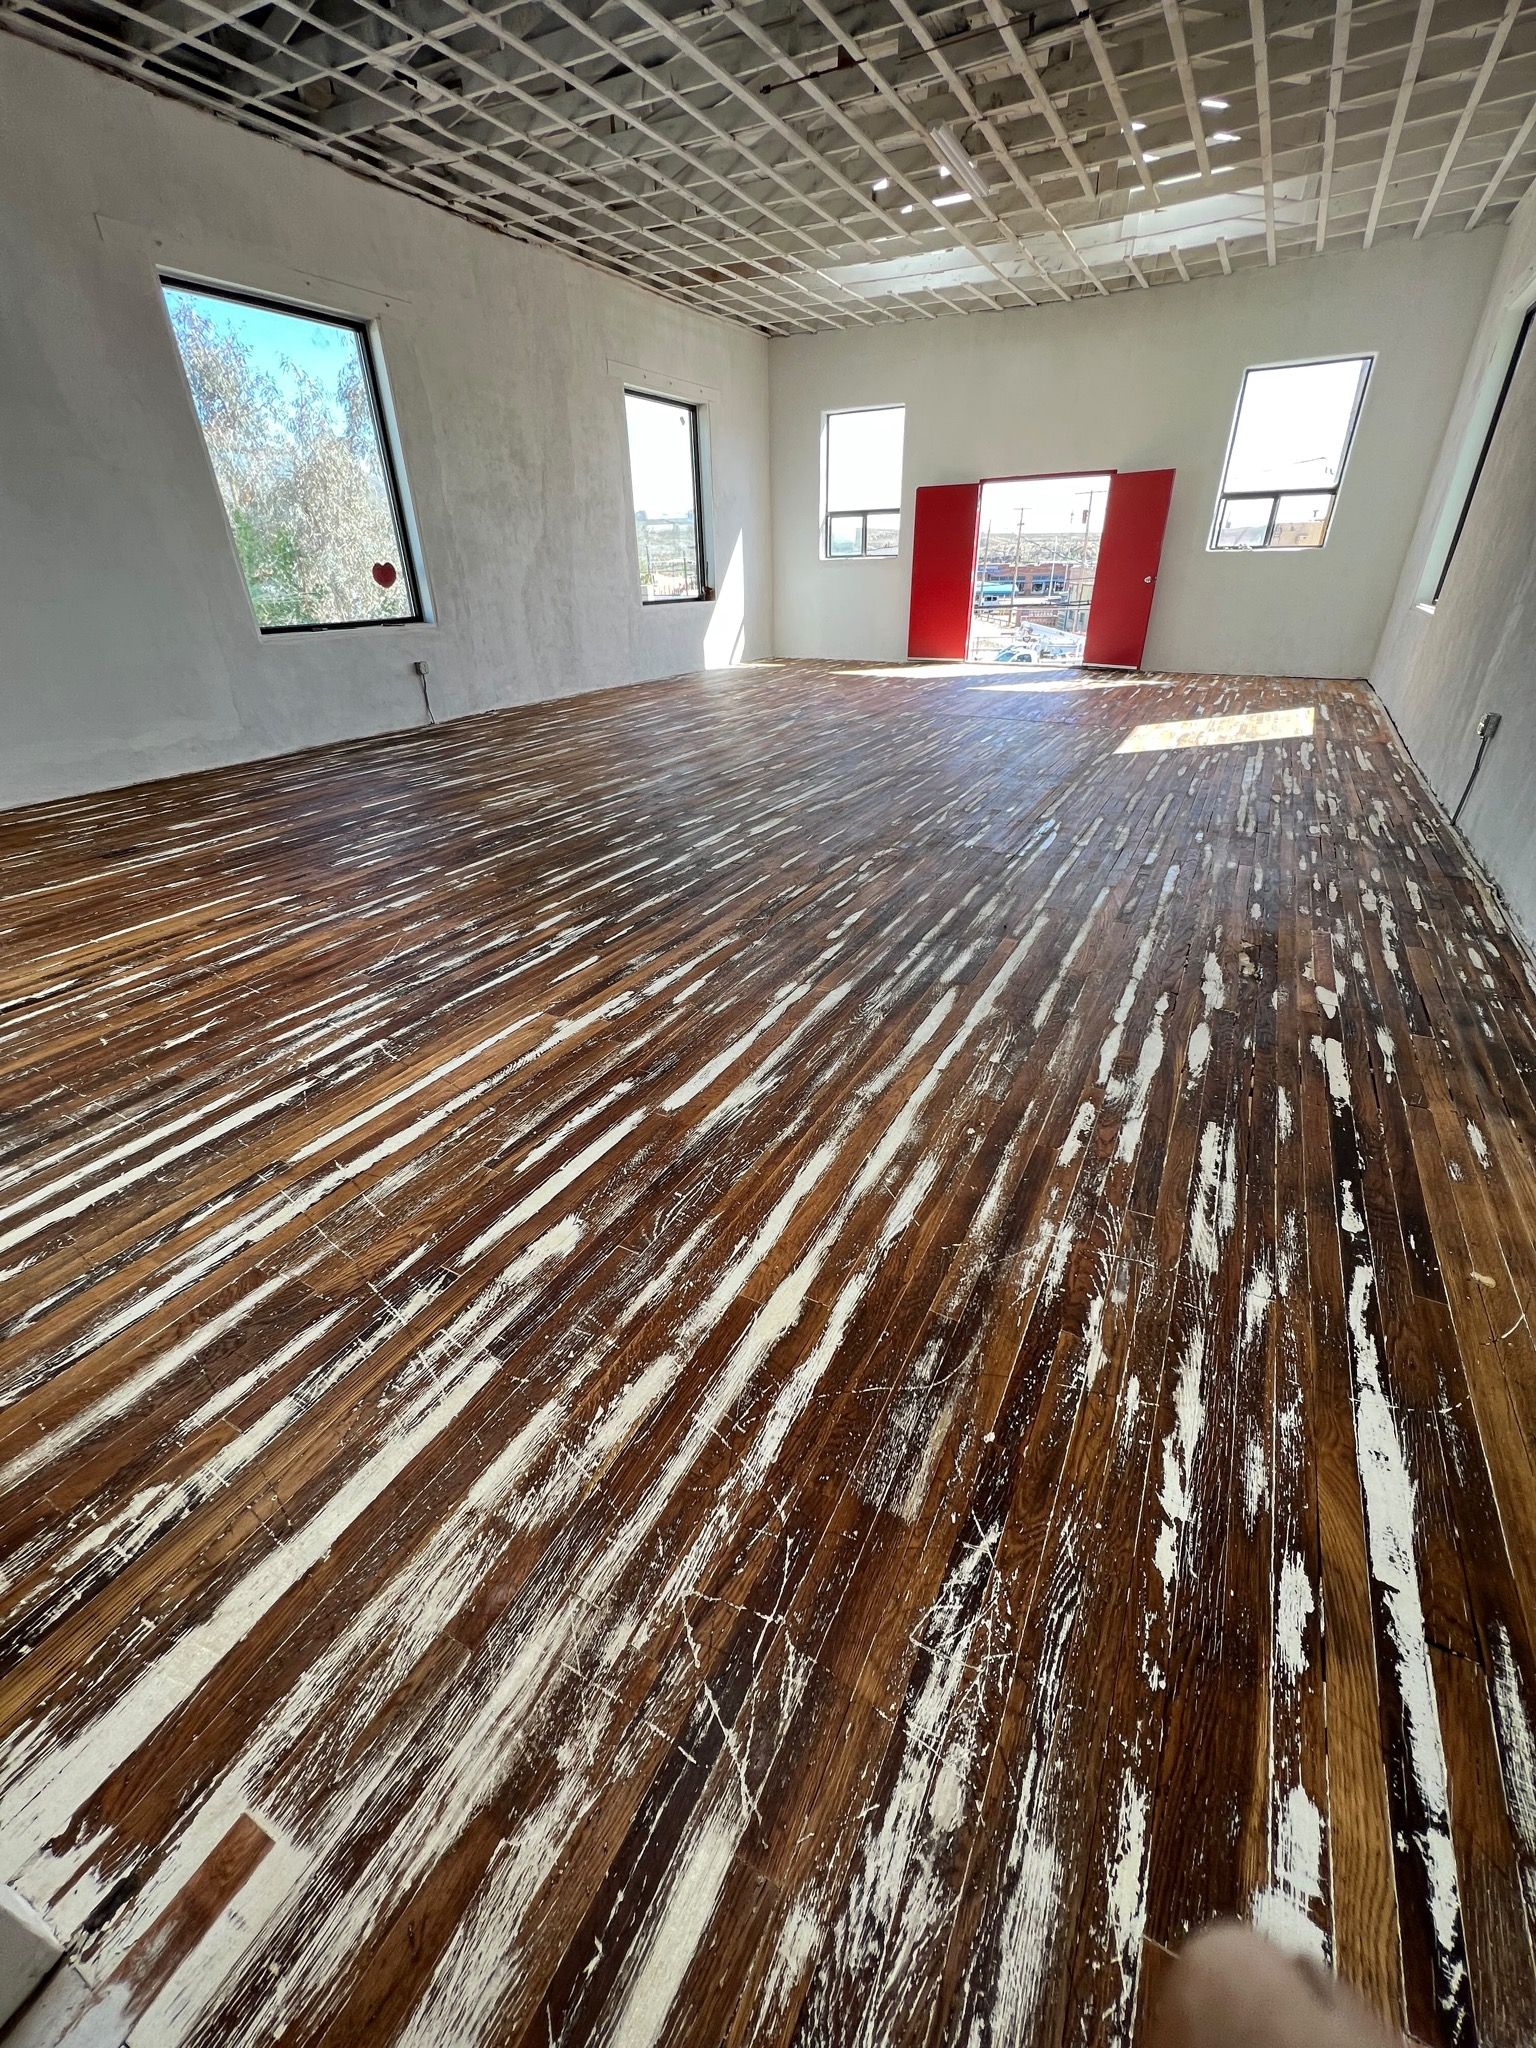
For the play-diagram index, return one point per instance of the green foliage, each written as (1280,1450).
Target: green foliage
(301,476)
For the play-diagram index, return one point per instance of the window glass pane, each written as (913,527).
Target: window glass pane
(845,534)
(1243,522)
(864,458)
(1293,425)
(884,533)
(662,474)
(1302,521)
(288,410)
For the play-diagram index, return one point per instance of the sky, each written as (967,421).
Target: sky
(278,340)
(864,459)
(1046,504)
(1292,426)
(660,457)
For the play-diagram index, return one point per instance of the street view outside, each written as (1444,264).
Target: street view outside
(662,455)
(287,413)
(1035,561)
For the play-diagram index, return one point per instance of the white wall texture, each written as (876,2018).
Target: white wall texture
(1440,671)
(128,646)
(1147,380)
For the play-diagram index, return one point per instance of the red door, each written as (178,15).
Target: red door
(1126,578)
(943,569)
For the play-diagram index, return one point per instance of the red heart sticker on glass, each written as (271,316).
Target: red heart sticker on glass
(384,573)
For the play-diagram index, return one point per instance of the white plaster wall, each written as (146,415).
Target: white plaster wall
(1147,380)
(1439,672)
(127,645)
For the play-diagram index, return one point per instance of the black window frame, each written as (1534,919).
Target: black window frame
(704,594)
(1224,497)
(1267,545)
(390,457)
(1484,452)
(864,513)
(862,552)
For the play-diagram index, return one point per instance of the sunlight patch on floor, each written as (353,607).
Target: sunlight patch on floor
(1057,685)
(1242,727)
(914,671)
(980,675)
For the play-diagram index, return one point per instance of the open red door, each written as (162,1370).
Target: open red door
(1126,578)
(943,570)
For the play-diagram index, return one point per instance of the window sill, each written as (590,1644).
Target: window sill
(341,626)
(668,604)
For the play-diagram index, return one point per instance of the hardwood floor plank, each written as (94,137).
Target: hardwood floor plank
(795,1357)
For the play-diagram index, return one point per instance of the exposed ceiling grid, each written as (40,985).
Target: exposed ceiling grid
(997,148)
(895,175)
(793,165)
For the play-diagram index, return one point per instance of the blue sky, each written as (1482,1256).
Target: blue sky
(277,340)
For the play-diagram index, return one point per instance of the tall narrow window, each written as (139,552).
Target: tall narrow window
(289,406)
(1482,458)
(664,477)
(1290,441)
(862,485)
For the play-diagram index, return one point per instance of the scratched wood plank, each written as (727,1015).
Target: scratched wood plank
(799,1356)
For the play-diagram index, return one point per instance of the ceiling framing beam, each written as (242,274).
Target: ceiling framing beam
(1496,44)
(1399,114)
(1522,137)
(1187,85)
(1337,66)
(1266,137)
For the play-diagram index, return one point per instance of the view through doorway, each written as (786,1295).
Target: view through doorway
(1036,554)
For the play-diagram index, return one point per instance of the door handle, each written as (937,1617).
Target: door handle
(1146,579)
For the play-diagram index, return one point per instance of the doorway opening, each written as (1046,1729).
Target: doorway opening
(1037,551)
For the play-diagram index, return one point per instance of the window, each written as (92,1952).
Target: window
(862,513)
(1290,441)
(664,482)
(1483,453)
(288,402)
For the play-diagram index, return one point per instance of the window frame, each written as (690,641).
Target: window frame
(1367,360)
(693,407)
(1436,586)
(390,457)
(863,513)
(863,552)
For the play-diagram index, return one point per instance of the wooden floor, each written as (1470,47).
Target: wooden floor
(798,1357)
